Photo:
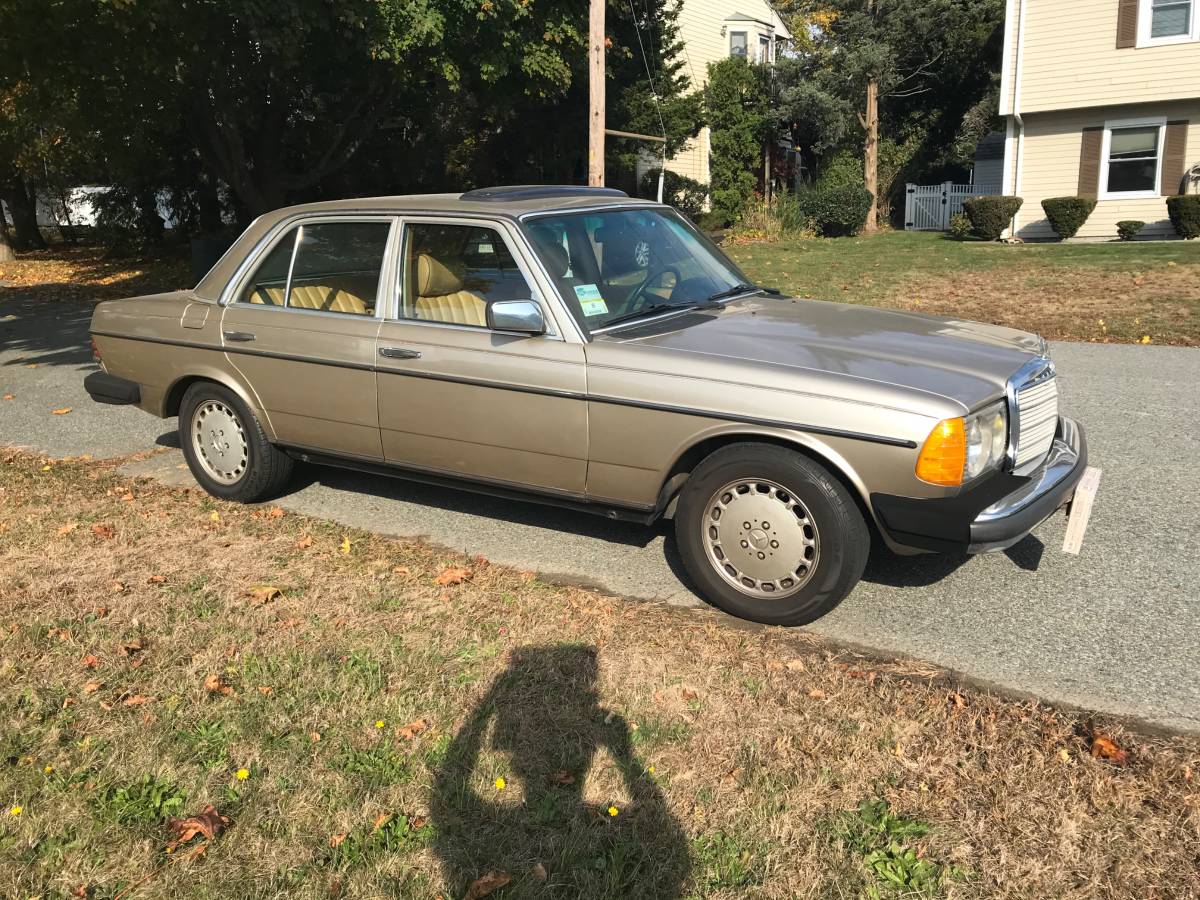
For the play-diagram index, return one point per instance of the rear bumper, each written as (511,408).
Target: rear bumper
(105,388)
(994,514)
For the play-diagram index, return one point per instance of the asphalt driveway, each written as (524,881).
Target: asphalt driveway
(1114,629)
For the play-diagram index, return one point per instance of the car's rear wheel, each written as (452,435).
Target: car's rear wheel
(769,535)
(226,448)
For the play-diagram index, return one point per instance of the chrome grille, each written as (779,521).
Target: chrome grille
(1036,419)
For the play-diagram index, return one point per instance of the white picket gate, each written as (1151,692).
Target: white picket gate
(928,207)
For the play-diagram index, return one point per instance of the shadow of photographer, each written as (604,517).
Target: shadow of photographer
(541,728)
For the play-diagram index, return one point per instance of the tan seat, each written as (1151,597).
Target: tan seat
(314,296)
(441,297)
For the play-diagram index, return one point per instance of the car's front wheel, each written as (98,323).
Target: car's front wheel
(769,535)
(226,448)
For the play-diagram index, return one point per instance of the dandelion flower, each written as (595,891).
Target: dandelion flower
(650,770)
(16,810)
(612,810)
(500,784)
(379,723)
(242,774)
(48,769)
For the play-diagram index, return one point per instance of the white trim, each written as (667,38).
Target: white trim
(744,33)
(1006,66)
(1146,19)
(1009,176)
(1104,192)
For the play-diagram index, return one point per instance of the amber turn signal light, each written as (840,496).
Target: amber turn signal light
(945,454)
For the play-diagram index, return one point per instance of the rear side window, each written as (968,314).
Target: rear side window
(326,266)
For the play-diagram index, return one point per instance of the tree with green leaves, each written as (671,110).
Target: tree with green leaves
(736,103)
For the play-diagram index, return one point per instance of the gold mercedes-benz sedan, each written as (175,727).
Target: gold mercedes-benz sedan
(574,346)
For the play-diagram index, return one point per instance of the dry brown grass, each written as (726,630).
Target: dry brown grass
(735,757)
(85,273)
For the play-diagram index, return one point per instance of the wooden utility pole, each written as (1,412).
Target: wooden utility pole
(870,122)
(596,93)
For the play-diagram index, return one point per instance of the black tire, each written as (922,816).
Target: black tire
(825,513)
(266,468)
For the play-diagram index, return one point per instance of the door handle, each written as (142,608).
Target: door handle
(239,336)
(398,353)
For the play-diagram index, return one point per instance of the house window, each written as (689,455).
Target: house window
(1131,164)
(738,45)
(1167,22)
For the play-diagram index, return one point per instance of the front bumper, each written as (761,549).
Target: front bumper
(994,514)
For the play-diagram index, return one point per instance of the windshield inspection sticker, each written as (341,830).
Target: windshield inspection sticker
(590,299)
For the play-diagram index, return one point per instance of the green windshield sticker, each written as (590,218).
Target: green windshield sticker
(591,300)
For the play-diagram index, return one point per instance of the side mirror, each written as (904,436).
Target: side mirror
(520,316)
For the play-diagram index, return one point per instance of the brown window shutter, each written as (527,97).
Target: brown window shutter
(1174,158)
(1089,162)
(1127,24)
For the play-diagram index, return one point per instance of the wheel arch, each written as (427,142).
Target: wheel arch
(702,446)
(173,396)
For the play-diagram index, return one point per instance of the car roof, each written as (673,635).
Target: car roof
(511,201)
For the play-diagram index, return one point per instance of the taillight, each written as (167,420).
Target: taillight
(95,351)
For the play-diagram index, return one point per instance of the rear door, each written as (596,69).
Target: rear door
(458,398)
(301,327)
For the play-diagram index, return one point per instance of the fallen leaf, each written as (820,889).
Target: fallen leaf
(81,890)
(816,694)
(345,547)
(957,700)
(689,694)
(137,700)
(538,872)
(335,840)
(418,822)
(103,530)
(101,612)
(274,513)
(208,823)
(401,570)
(489,883)
(1106,748)
(412,729)
(1064,754)
(304,543)
(92,686)
(796,665)
(156,579)
(68,528)
(134,647)
(382,819)
(453,576)
(127,497)
(314,736)
(90,661)
(266,690)
(215,684)
(62,411)
(263,593)
(118,587)
(8,396)
(561,777)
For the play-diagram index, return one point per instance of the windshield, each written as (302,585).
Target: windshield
(619,264)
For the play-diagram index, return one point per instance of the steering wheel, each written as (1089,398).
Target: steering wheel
(637,299)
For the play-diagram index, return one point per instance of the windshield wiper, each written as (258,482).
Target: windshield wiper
(743,287)
(648,311)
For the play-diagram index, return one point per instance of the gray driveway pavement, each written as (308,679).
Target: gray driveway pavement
(1116,629)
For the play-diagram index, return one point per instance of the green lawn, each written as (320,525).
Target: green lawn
(1094,292)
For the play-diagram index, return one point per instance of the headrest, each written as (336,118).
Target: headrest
(556,259)
(435,278)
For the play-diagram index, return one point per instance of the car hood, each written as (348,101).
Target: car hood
(966,362)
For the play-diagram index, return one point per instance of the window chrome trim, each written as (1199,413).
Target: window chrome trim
(507,232)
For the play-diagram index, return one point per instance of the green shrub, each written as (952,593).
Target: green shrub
(960,227)
(834,211)
(735,104)
(844,168)
(1185,215)
(1128,229)
(685,194)
(991,215)
(1067,214)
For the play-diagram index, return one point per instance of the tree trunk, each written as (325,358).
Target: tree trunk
(209,201)
(22,206)
(6,251)
(871,154)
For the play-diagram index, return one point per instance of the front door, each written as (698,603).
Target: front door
(302,330)
(458,398)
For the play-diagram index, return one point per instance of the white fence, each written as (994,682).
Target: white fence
(928,207)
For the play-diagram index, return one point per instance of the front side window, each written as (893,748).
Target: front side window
(738,45)
(617,264)
(1170,18)
(1133,160)
(452,272)
(324,266)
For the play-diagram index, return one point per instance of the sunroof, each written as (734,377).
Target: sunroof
(538,192)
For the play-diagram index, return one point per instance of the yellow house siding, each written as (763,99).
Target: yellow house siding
(1050,168)
(700,24)
(1071,60)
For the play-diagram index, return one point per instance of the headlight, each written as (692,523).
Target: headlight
(960,450)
